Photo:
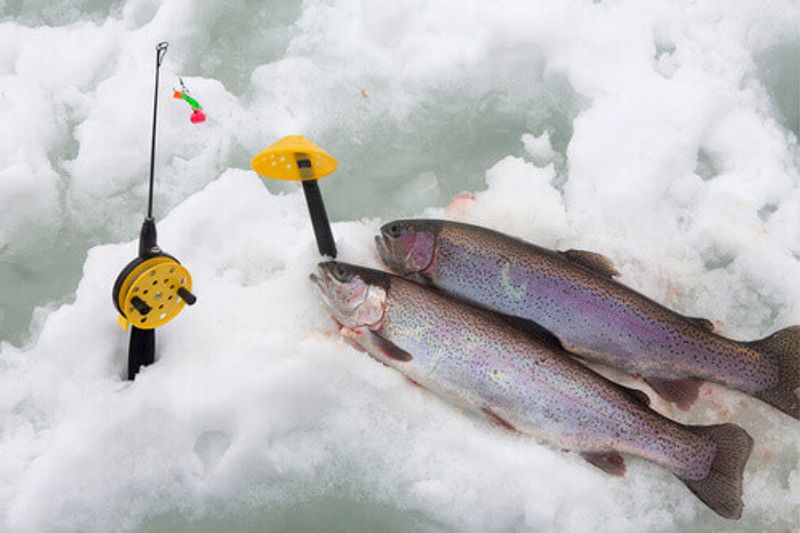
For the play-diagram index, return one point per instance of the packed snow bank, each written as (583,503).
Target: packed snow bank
(256,403)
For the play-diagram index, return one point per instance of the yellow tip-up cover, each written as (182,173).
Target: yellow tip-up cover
(280,161)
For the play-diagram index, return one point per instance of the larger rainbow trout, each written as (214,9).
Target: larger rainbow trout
(574,296)
(476,360)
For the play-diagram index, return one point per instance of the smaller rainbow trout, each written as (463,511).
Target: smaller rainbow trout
(573,296)
(475,360)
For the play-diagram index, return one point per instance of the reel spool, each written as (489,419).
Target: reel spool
(149,293)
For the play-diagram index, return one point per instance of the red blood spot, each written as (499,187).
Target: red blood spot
(460,201)
(464,197)
(414,383)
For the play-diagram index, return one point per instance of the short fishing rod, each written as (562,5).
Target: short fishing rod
(153,288)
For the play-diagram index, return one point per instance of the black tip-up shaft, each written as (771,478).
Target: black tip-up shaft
(316,207)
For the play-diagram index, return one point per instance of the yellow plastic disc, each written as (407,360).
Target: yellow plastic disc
(155,282)
(279,161)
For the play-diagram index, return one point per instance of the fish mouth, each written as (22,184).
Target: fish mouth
(315,280)
(320,287)
(382,244)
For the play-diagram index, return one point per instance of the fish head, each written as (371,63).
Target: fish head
(408,246)
(356,296)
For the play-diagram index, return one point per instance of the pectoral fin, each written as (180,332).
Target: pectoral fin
(386,348)
(534,329)
(609,462)
(366,340)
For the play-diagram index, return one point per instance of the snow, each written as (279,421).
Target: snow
(661,134)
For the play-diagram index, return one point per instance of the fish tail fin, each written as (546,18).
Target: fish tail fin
(721,489)
(784,348)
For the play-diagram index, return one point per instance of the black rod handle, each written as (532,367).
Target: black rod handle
(141,351)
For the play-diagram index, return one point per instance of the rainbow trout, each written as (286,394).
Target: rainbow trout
(476,360)
(573,295)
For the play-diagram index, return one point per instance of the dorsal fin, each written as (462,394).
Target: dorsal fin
(595,262)
(702,322)
(531,327)
(387,348)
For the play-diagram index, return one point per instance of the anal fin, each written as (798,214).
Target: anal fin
(682,392)
(609,462)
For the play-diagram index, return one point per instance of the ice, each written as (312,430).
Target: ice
(539,147)
(661,134)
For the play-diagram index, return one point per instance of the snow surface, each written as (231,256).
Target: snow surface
(661,133)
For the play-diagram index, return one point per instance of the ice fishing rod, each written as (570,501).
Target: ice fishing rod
(295,158)
(153,288)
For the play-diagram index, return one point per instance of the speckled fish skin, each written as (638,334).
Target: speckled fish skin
(476,360)
(591,314)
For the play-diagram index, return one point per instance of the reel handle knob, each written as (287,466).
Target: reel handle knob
(187,296)
(140,305)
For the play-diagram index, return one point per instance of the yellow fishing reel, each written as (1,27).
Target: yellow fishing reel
(151,292)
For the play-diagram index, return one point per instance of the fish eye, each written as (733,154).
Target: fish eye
(394,230)
(340,272)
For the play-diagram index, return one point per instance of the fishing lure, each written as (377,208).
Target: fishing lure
(197,115)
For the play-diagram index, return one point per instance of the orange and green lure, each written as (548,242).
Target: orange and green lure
(197,115)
